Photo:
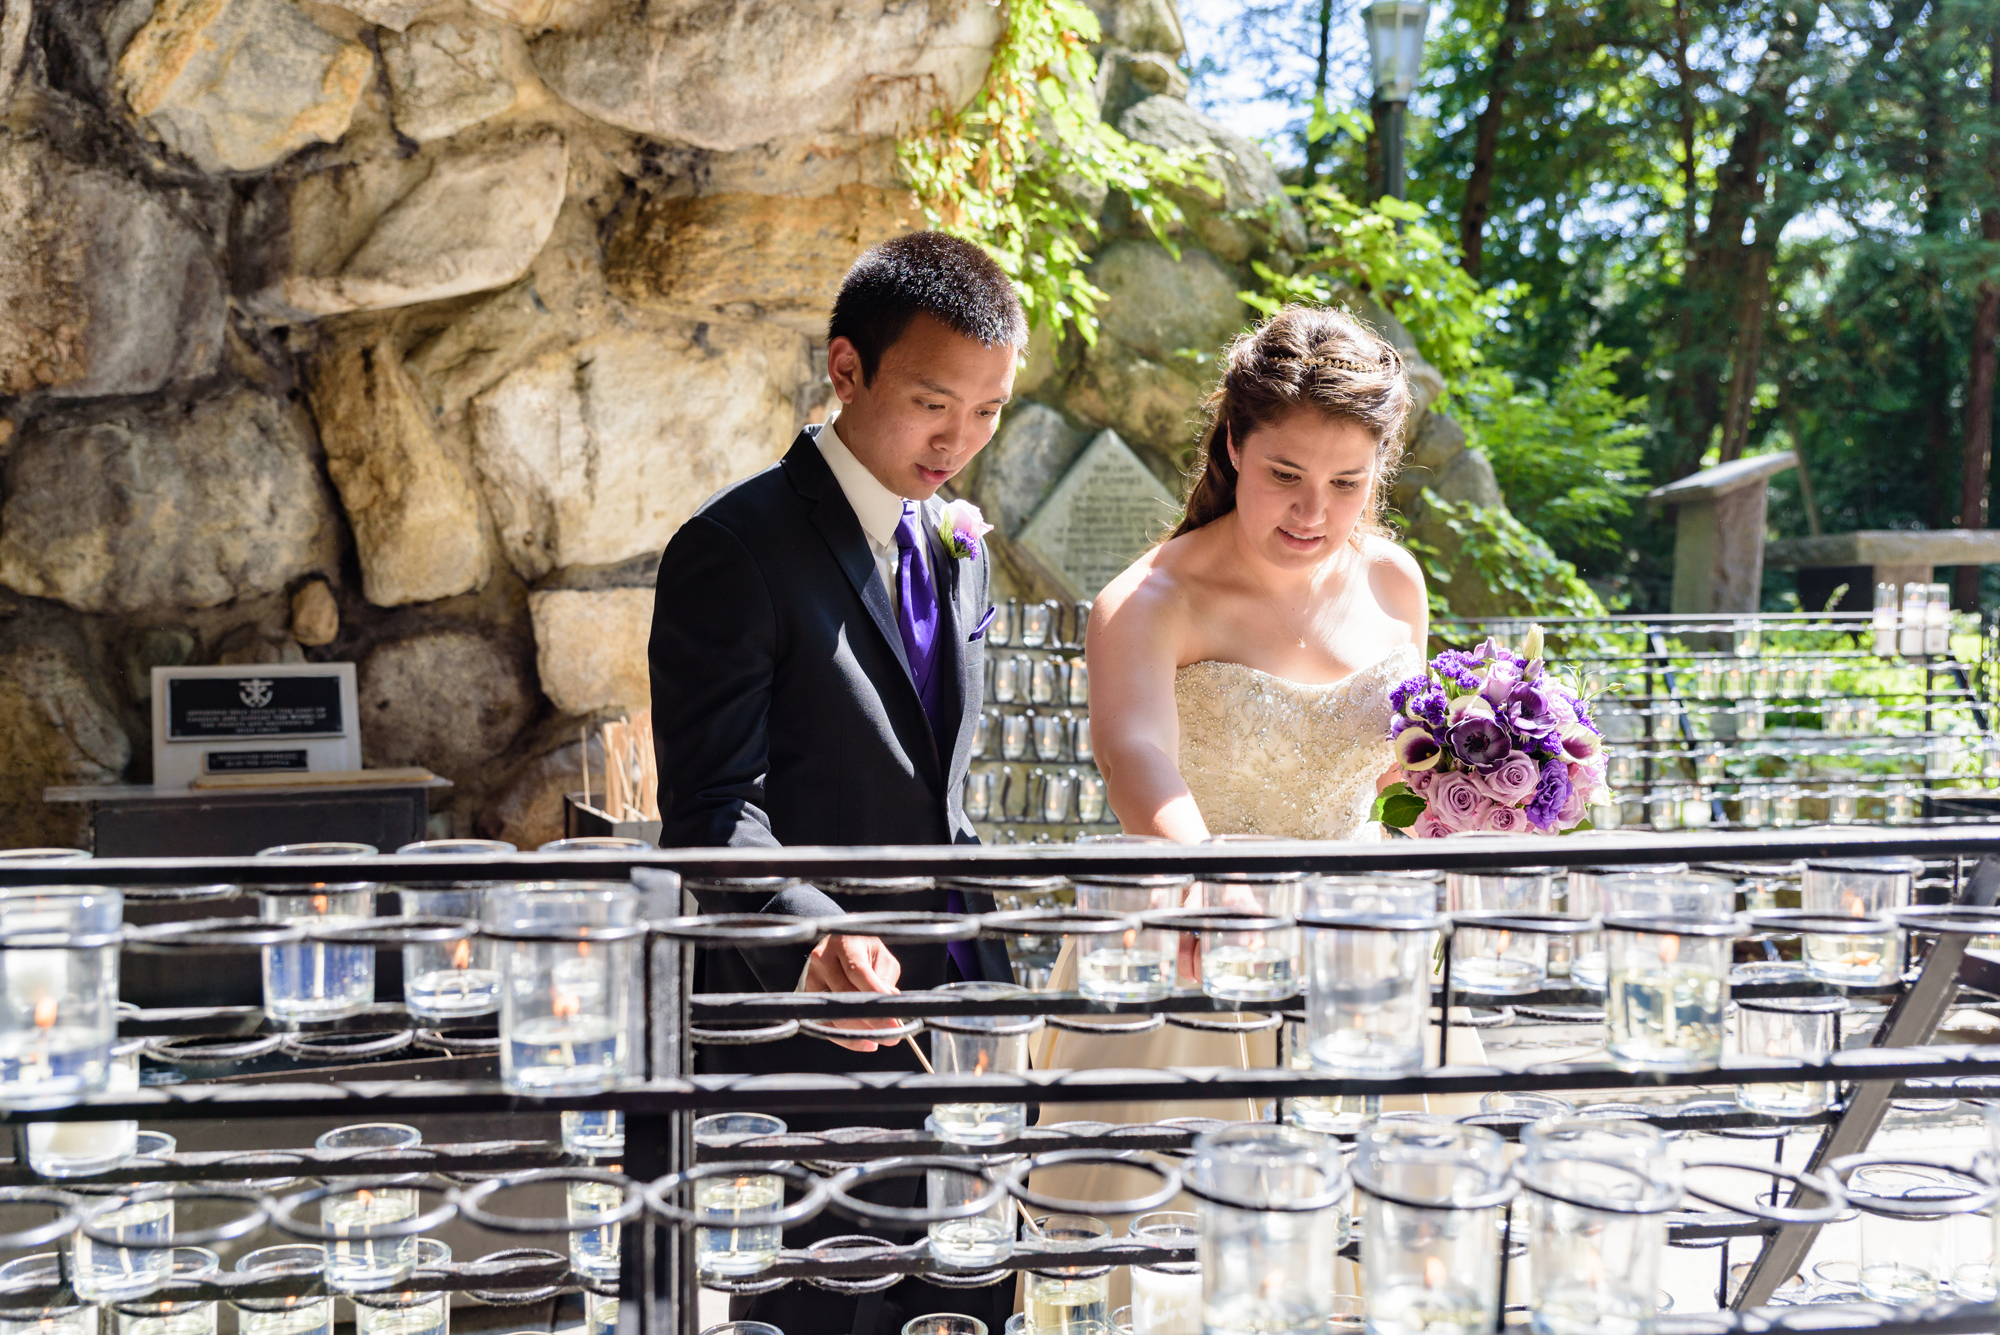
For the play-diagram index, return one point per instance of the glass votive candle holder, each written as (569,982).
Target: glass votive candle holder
(1791,1029)
(1499,959)
(1368,950)
(1036,621)
(944,1323)
(975,1241)
(1430,1226)
(1906,1228)
(1586,900)
(190,1318)
(284,1316)
(726,1248)
(407,1313)
(132,1254)
(1136,965)
(1063,1298)
(1753,808)
(599,1134)
(1260,962)
(1899,804)
(568,968)
(1328,1114)
(39,1271)
(1272,1208)
(593,1250)
(1750,720)
(59,979)
(600,1314)
(1843,803)
(1784,807)
(1866,888)
(444,980)
(362,1258)
(979,1045)
(314,979)
(1166,1298)
(85,1149)
(1667,946)
(1599,1193)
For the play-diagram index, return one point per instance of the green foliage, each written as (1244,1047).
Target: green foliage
(1567,457)
(1024,168)
(1514,566)
(1397,807)
(1387,251)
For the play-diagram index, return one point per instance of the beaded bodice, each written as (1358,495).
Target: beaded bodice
(1264,755)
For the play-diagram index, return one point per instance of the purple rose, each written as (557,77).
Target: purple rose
(1420,782)
(1455,802)
(1503,819)
(1501,679)
(1479,742)
(1428,826)
(1551,795)
(1512,781)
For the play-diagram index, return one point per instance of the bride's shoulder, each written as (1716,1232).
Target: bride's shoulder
(1396,578)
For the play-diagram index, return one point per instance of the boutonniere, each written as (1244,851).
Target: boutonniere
(962,527)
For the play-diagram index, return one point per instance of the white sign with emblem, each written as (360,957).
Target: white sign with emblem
(262,718)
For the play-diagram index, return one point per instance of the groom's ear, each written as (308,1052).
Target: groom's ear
(845,369)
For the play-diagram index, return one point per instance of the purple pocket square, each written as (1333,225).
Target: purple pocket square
(979,633)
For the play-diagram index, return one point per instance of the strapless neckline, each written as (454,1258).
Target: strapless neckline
(1399,652)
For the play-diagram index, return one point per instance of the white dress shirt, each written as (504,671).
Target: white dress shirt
(879,509)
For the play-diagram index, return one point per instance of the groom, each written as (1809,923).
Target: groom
(817,661)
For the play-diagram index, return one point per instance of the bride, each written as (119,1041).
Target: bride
(1240,670)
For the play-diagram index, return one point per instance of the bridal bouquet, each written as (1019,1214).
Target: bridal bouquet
(1489,742)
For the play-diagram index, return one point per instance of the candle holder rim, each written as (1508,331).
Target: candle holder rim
(739,1038)
(407,1138)
(1817,922)
(1533,922)
(842,1185)
(1497,872)
(177,1191)
(1824,1184)
(44,939)
(1376,922)
(1061,920)
(894,927)
(764,929)
(835,1033)
(1641,868)
(397,929)
(1013,885)
(1832,1005)
(1507,1187)
(454,1045)
(521,1297)
(1949,919)
(854,1286)
(301,889)
(658,1193)
(280,1209)
(168,1307)
(1210,1024)
(212,934)
(1664,1195)
(742,885)
(69,1205)
(471,1200)
(1215,920)
(876,885)
(348,1044)
(1667,924)
(1086,1024)
(1016,1179)
(180,894)
(1968,1200)
(1889,864)
(607,933)
(1164,880)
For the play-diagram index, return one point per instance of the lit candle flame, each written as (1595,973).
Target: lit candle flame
(461,954)
(564,1005)
(1670,948)
(984,1060)
(583,949)
(1131,935)
(1434,1272)
(1852,905)
(1501,942)
(319,903)
(45,1013)
(366,1197)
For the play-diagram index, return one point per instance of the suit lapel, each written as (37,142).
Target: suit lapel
(834,518)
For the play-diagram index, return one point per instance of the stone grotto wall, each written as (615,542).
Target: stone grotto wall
(406,332)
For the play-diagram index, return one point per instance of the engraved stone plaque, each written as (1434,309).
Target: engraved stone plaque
(1107,510)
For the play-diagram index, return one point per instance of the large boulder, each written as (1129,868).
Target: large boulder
(55,729)
(393,14)
(446,75)
(168,507)
(596,453)
(107,289)
(1032,448)
(751,254)
(449,699)
(238,85)
(1253,211)
(415,514)
(1160,335)
(590,648)
(1141,25)
(730,76)
(444,224)
(528,811)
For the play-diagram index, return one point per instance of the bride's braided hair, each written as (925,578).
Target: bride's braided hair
(1302,357)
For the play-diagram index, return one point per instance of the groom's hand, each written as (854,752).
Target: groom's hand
(853,964)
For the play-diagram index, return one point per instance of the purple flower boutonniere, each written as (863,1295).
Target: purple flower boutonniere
(962,528)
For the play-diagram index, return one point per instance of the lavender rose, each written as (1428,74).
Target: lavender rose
(1428,826)
(1501,679)
(1505,820)
(1551,794)
(1512,781)
(1456,802)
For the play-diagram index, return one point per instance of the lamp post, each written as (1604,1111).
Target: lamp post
(1395,55)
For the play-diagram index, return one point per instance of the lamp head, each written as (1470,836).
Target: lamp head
(1396,45)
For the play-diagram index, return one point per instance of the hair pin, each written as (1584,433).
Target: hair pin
(1347,364)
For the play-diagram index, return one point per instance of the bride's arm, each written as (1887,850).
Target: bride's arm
(1131,648)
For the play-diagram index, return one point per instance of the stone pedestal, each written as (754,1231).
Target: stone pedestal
(1719,541)
(1896,556)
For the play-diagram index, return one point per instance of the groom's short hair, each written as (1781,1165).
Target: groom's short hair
(924,273)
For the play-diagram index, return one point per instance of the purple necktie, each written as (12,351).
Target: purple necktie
(917,619)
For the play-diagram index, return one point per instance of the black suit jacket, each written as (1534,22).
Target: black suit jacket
(784,713)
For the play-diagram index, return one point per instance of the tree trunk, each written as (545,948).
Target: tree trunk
(1316,148)
(1749,348)
(1974,474)
(1486,139)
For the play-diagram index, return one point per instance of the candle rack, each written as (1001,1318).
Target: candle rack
(660,1097)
